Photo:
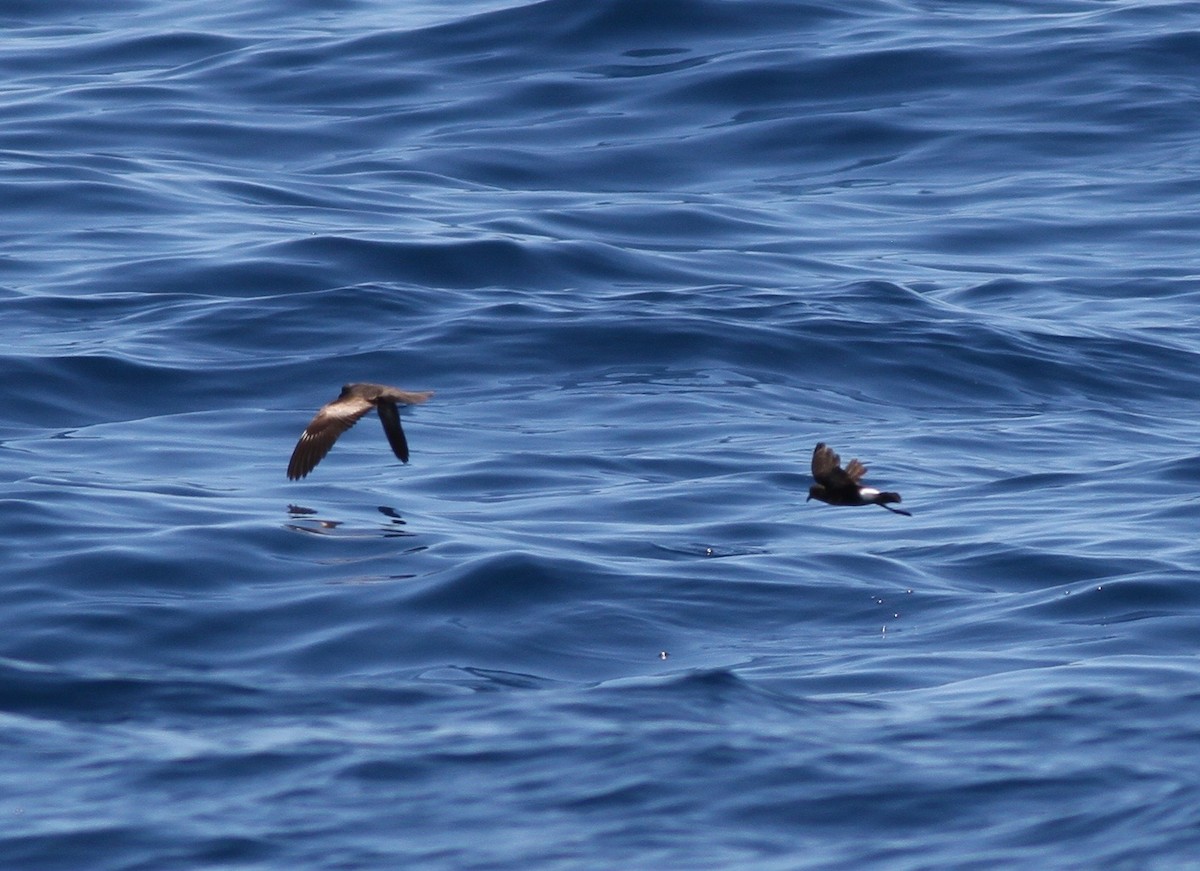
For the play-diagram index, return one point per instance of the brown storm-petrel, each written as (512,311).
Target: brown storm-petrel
(839,486)
(333,419)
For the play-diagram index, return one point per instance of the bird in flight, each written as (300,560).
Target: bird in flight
(333,419)
(839,486)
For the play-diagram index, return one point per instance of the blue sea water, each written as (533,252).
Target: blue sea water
(646,255)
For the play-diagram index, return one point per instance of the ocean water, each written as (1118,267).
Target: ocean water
(646,255)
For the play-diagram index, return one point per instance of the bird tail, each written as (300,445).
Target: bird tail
(883,498)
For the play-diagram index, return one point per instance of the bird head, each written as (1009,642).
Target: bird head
(816,491)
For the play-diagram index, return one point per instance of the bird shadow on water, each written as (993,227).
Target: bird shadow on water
(357,534)
(308,520)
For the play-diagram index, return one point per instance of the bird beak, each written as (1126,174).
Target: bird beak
(809,499)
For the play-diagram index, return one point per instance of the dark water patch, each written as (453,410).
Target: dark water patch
(790,78)
(514,581)
(230,275)
(1184,471)
(22,13)
(81,845)
(1029,568)
(497,262)
(58,392)
(99,698)
(616,25)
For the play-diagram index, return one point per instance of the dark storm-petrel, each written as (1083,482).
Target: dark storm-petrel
(839,486)
(333,419)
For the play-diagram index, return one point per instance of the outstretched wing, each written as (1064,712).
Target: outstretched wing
(331,421)
(392,429)
(825,462)
(387,397)
(827,470)
(855,470)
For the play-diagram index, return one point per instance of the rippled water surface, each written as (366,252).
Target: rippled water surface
(646,255)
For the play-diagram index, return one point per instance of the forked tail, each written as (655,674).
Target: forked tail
(884,498)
